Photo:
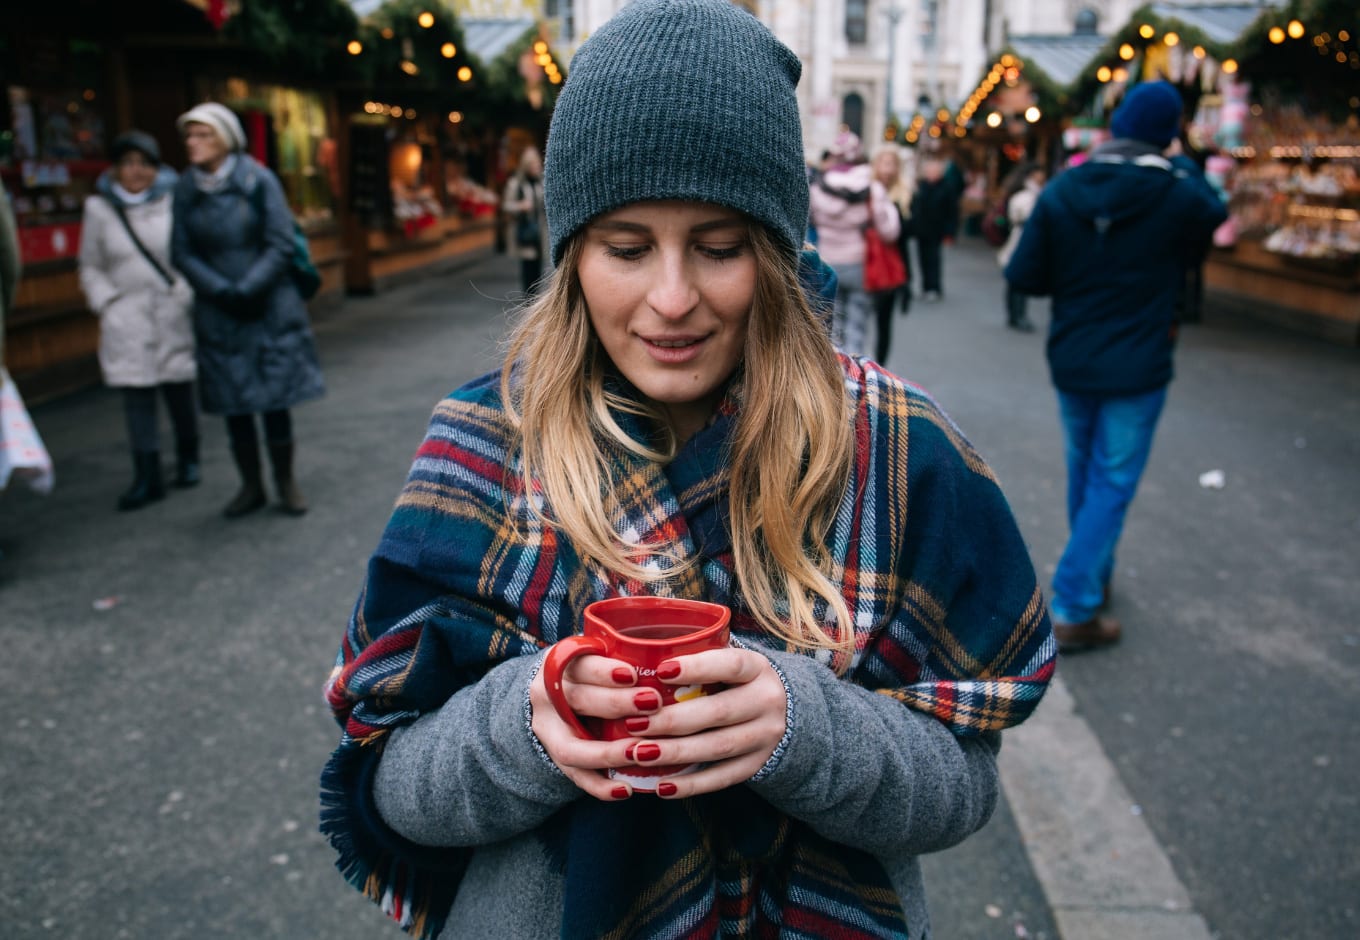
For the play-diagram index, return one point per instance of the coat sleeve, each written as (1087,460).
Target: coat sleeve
(202,277)
(515,200)
(887,220)
(468,774)
(1205,211)
(9,258)
(864,770)
(100,291)
(1028,268)
(276,253)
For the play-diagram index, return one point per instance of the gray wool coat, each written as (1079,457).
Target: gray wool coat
(255,347)
(145,333)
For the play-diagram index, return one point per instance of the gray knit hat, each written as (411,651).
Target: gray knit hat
(220,118)
(678,99)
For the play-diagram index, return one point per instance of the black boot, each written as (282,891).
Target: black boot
(251,495)
(186,467)
(291,499)
(146,484)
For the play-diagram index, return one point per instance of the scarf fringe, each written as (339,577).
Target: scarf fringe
(418,899)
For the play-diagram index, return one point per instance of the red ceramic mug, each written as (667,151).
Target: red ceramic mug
(643,632)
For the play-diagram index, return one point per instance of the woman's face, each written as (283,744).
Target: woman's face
(887,168)
(205,149)
(531,162)
(669,287)
(134,172)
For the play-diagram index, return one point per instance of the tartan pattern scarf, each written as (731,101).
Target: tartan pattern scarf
(948,620)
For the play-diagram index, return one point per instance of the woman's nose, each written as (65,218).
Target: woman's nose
(674,293)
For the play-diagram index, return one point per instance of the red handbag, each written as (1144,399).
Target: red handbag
(883,267)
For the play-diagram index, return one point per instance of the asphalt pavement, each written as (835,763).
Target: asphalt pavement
(163,668)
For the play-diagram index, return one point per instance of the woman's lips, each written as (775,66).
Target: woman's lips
(673,349)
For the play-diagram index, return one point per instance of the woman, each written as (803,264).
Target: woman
(888,172)
(233,239)
(146,339)
(1021,191)
(22,452)
(672,419)
(527,227)
(846,200)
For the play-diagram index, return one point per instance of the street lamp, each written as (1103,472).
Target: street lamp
(894,16)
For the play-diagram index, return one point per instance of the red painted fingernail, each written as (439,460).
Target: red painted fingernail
(622,675)
(646,752)
(621,793)
(637,724)
(629,752)
(647,700)
(666,789)
(668,670)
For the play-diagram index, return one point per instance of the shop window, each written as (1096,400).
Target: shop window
(857,21)
(288,129)
(52,141)
(552,9)
(852,112)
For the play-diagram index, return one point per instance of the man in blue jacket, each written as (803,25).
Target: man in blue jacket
(1110,241)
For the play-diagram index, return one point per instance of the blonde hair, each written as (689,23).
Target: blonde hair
(791,449)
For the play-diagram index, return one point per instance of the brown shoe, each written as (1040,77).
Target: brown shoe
(1092,634)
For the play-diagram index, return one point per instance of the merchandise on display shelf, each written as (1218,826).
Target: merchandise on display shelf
(1296,189)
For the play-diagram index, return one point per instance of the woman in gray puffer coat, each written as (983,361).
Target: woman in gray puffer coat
(233,239)
(146,340)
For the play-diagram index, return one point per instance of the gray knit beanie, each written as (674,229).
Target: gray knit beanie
(678,99)
(220,118)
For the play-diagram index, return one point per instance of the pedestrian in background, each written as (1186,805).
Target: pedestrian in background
(845,201)
(527,225)
(22,453)
(888,172)
(233,239)
(146,338)
(1110,240)
(672,420)
(934,215)
(1019,193)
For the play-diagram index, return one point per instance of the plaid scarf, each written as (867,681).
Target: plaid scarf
(948,620)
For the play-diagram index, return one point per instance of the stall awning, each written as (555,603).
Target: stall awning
(1061,58)
(488,38)
(1222,23)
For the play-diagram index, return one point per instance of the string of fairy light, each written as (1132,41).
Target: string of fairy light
(1338,46)
(426,20)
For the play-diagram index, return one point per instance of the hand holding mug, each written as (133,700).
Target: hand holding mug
(728,703)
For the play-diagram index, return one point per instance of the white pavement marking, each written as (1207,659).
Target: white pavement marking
(1105,876)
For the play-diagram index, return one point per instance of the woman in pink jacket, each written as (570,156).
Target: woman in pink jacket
(846,199)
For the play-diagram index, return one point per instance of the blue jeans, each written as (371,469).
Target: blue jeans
(1108,440)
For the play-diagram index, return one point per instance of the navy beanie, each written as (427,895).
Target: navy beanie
(678,99)
(1150,112)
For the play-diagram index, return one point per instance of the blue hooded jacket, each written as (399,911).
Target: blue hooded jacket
(1110,241)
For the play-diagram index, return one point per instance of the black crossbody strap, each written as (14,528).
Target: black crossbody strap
(150,259)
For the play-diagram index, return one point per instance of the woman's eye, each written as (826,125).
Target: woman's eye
(626,252)
(721,253)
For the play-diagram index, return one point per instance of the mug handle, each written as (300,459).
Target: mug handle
(560,655)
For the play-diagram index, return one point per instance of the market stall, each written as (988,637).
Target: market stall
(72,85)
(1289,129)
(427,145)
(1272,94)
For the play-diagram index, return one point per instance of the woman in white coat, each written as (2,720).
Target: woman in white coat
(146,338)
(1022,190)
